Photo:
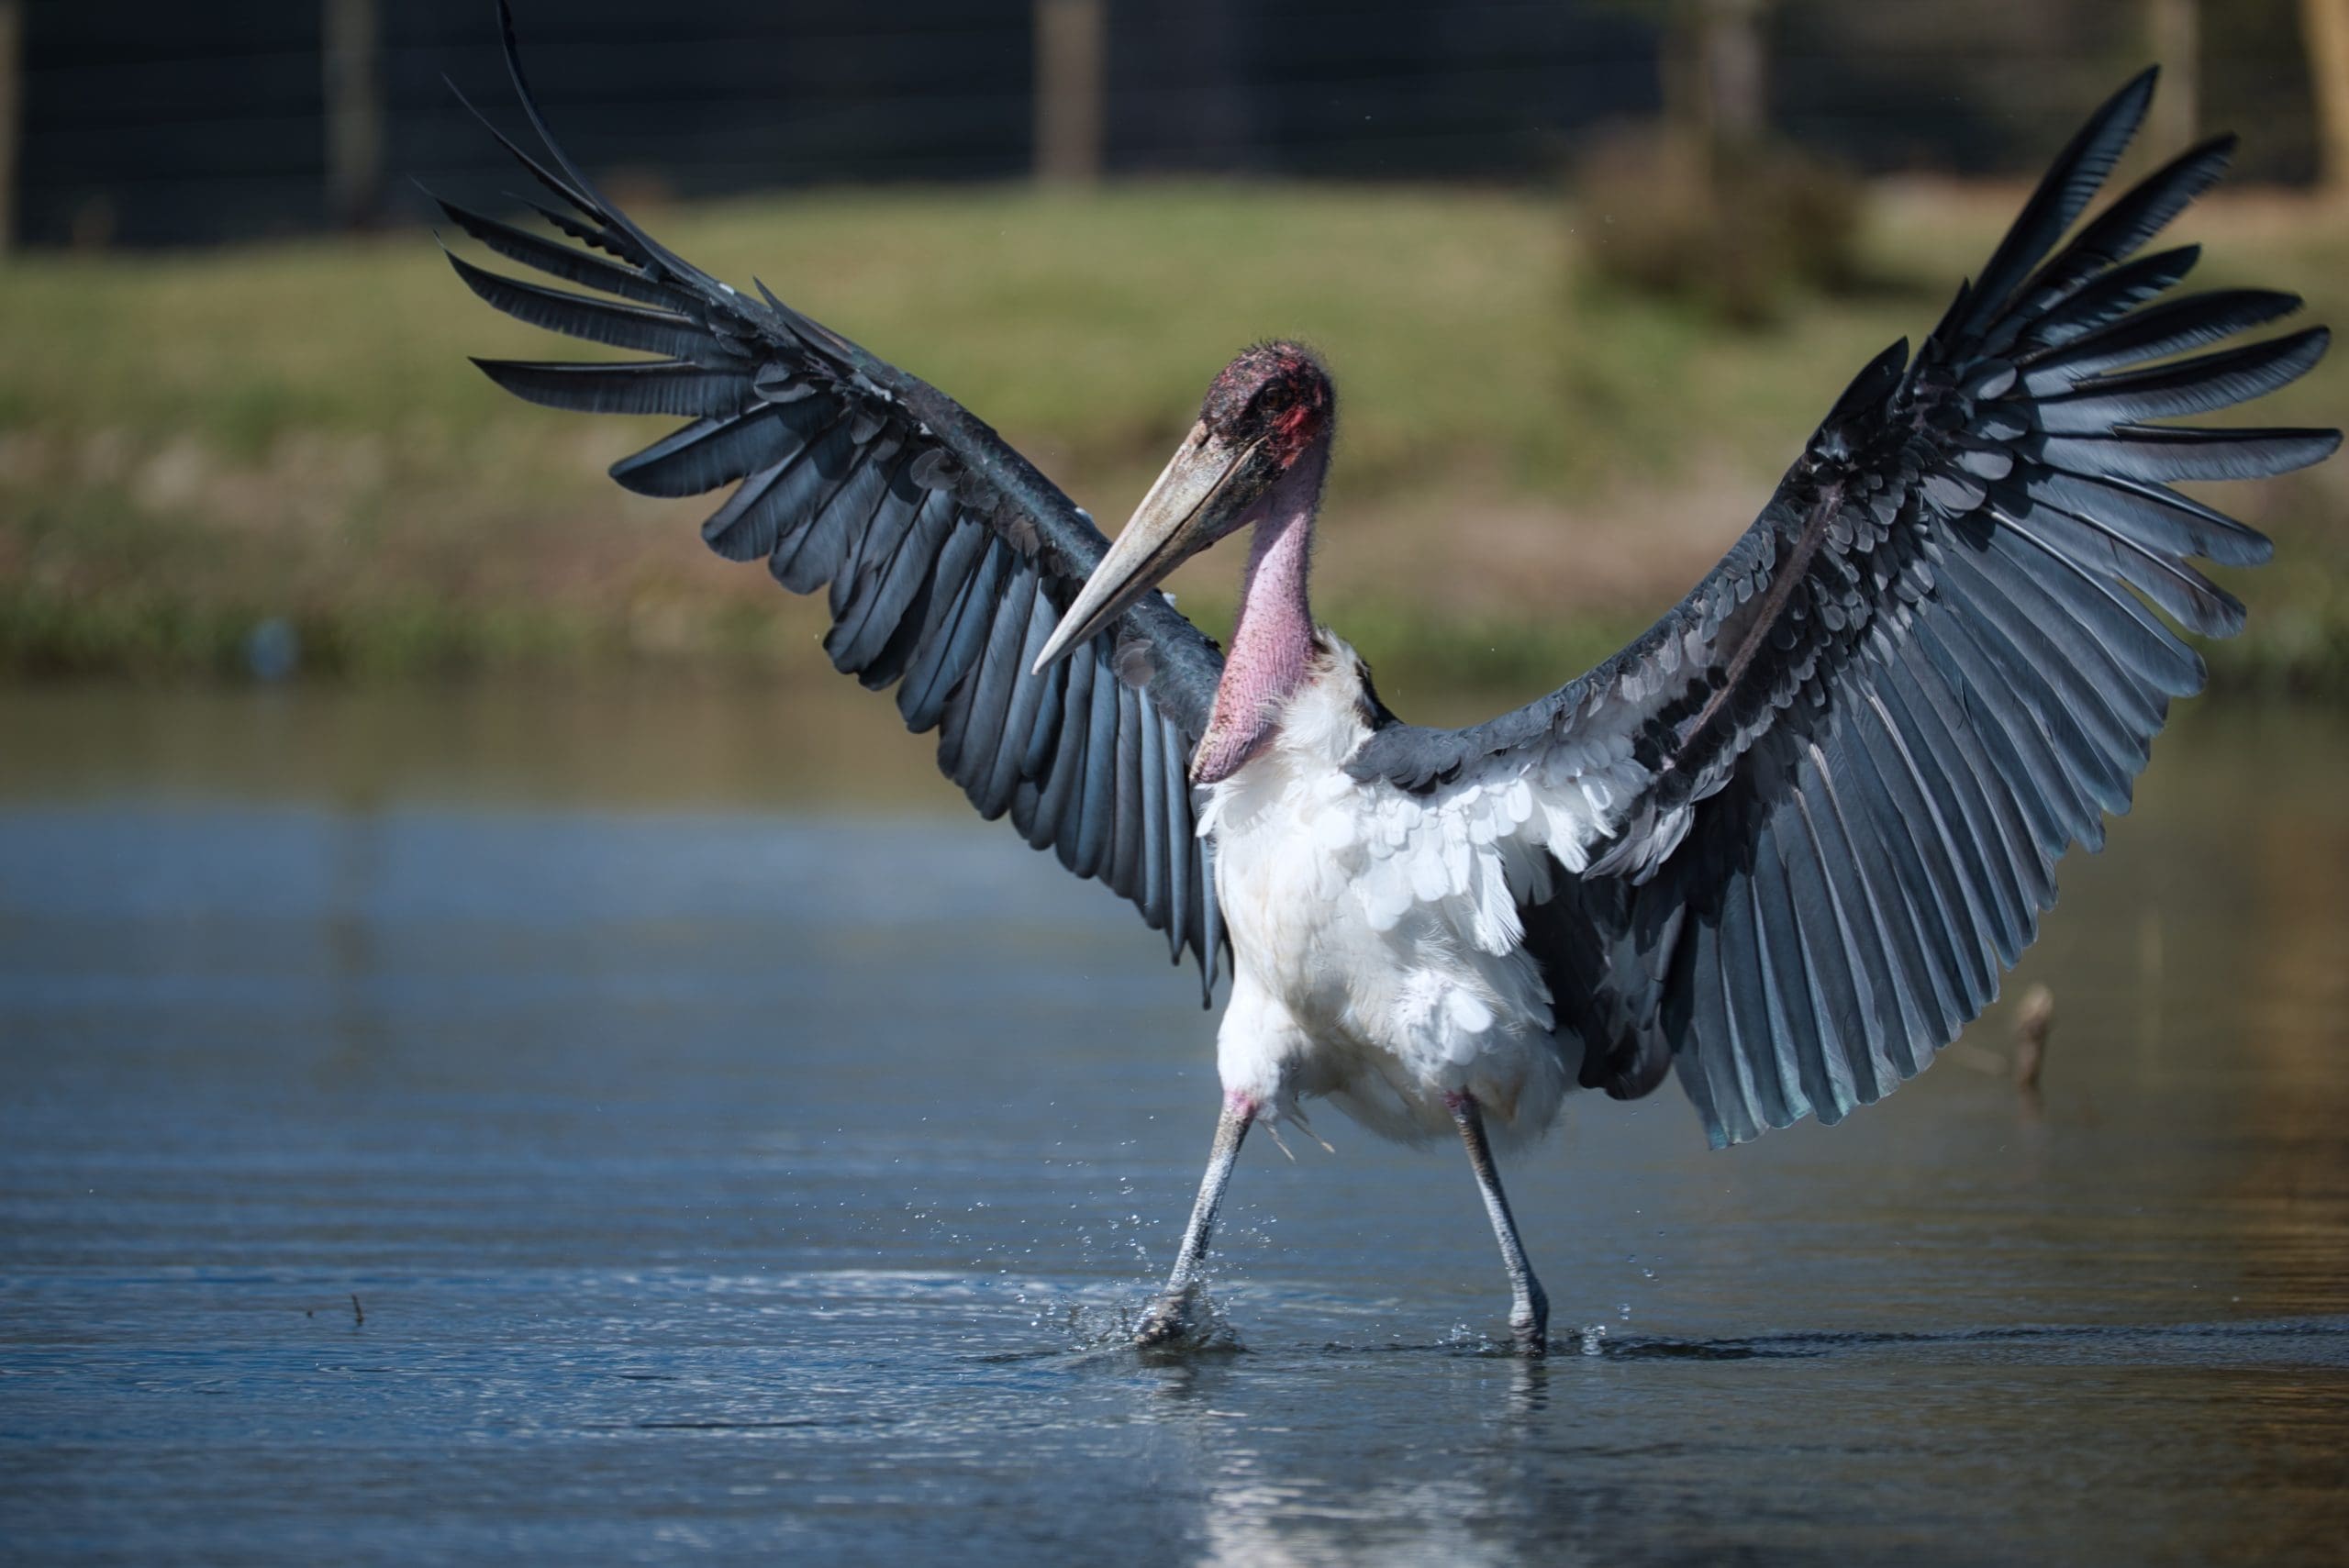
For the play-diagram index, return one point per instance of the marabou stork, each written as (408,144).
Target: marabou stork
(1784,844)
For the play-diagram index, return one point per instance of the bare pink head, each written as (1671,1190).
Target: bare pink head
(1262,438)
(1277,392)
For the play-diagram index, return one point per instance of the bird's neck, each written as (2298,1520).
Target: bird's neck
(1271,641)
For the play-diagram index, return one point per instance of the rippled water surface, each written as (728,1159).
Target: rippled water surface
(597,1127)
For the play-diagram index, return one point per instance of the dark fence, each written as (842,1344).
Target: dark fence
(154,123)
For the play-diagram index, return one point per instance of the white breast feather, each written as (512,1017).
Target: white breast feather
(1375,931)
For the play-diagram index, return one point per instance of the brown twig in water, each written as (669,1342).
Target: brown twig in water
(2034,1018)
(358,1313)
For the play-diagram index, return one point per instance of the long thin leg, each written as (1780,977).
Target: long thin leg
(1529,1314)
(1170,1317)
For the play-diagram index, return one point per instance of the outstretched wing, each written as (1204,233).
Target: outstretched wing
(1860,747)
(948,557)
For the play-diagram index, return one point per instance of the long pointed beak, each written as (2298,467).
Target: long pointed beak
(1207,484)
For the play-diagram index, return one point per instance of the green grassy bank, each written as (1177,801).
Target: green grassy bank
(1531,466)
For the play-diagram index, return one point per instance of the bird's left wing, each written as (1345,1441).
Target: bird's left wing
(1818,806)
(948,557)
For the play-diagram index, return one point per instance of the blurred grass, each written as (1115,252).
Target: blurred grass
(1531,466)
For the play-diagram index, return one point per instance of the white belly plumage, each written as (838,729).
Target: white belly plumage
(1377,953)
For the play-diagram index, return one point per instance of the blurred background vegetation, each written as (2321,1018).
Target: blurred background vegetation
(1587,274)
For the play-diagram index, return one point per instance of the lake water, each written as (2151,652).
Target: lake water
(735,1151)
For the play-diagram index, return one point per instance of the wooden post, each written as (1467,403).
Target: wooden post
(12,100)
(354,99)
(2033,1019)
(2174,33)
(1680,77)
(2324,28)
(1071,43)
(1716,86)
(1736,87)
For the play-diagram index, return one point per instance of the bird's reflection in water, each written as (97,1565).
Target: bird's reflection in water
(1529,1391)
(1277,1484)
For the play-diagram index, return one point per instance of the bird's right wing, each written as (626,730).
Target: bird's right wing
(1819,805)
(946,557)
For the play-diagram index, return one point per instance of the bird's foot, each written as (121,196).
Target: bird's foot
(1529,1326)
(1170,1320)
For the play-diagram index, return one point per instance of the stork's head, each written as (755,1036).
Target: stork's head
(1266,418)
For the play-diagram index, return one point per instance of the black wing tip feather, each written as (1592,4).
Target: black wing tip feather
(510,41)
(465,102)
(485,284)
(532,380)
(512,44)
(2123,112)
(2112,124)
(2221,145)
(2072,180)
